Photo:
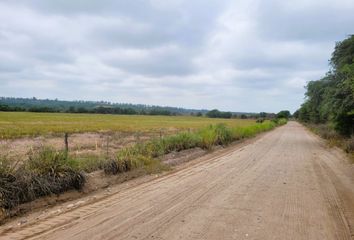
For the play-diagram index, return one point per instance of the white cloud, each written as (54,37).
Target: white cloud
(232,55)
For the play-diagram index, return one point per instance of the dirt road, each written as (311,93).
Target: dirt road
(285,185)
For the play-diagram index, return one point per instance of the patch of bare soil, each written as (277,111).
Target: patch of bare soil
(175,158)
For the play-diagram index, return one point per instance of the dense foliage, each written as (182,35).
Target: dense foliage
(283,114)
(218,114)
(331,99)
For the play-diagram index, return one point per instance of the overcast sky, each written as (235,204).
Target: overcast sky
(236,55)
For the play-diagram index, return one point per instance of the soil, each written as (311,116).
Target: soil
(286,184)
(176,158)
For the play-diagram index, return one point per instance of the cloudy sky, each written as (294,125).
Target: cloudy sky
(236,55)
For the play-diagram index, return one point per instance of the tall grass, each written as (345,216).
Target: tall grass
(46,172)
(144,154)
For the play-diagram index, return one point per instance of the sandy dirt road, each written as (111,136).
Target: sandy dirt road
(285,185)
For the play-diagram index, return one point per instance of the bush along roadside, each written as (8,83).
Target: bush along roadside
(333,138)
(146,155)
(48,171)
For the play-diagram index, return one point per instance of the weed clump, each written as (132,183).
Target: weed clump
(46,172)
(215,135)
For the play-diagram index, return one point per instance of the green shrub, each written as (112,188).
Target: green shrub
(282,121)
(208,137)
(179,142)
(154,148)
(224,134)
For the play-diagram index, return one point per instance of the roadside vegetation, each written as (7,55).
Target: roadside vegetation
(45,172)
(329,105)
(48,171)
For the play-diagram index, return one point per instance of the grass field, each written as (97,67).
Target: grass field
(19,124)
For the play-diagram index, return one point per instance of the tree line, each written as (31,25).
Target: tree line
(330,100)
(98,110)
(215,113)
(101,107)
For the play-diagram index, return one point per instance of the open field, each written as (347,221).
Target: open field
(19,124)
(92,135)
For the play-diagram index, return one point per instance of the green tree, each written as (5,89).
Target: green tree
(283,114)
(331,99)
(218,114)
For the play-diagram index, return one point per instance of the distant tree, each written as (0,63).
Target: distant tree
(218,114)
(4,108)
(283,114)
(71,109)
(262,115)
(226,114)
(160,112)
(82,110)
(199,114)
(213,113)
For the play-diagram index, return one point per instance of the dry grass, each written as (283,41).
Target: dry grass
(333,138)
(45,172)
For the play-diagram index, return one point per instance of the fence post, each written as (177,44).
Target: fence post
(137,137)
(107,147)
(66,142)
